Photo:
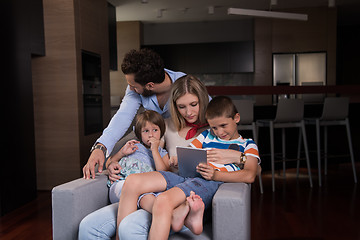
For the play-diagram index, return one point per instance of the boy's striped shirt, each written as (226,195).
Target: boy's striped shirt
(207,140)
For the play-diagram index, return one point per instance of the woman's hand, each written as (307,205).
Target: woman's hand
(223,156)
(173,162)
(129,147)
(206,171)
(114,169)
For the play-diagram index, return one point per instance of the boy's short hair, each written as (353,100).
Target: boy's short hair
(146,65)
(149,116)
(221,106)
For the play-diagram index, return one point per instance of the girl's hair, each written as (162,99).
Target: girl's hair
(182,86)
(221,106)
(149,116)
(146,65)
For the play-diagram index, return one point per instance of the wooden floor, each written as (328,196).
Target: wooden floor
(296,211)
(293,211)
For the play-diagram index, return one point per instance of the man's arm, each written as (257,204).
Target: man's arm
(121,121)
(113,132)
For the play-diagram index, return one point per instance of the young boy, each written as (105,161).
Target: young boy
(223,118)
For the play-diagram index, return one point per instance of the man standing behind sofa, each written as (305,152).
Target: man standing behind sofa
(149,85)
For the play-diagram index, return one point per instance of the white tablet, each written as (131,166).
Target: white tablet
(188,159)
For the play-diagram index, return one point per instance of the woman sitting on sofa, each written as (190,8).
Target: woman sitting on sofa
(189,99)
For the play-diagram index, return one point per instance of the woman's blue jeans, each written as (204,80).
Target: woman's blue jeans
(101,224)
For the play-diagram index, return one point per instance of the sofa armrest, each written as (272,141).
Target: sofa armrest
(72,201)
(231,212)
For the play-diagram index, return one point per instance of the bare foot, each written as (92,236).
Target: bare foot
(179,215)
(194,220)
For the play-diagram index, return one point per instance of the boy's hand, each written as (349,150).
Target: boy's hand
(129,147)
(114,169)
(206,171)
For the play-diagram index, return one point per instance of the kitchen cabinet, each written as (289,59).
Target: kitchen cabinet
(207,58)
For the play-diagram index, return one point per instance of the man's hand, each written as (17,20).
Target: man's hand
(96,157)
(114,169)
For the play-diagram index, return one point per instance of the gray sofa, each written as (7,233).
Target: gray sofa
(72,201)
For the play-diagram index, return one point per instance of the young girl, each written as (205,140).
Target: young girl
(144,156)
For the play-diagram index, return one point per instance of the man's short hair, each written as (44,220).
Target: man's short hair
(146,65)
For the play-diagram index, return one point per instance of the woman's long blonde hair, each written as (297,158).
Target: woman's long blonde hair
(192,85)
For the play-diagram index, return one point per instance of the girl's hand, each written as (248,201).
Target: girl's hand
(173,161)
(223,156)
(129,147)
(154,143)
(206,171)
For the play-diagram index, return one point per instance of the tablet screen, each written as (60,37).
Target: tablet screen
(188,159)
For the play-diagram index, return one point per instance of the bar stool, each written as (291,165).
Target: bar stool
(289,114)
(335,113)
(245,108)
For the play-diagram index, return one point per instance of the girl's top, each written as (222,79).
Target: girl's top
(138,162)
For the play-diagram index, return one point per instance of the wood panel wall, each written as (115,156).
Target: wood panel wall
(128,37)
(94,37)
(61,147)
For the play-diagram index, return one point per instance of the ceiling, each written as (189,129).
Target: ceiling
(198,10)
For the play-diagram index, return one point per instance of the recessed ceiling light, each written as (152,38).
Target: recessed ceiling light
(211,9)
(331,3)
(159,13)
(268,14)
(184,10)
